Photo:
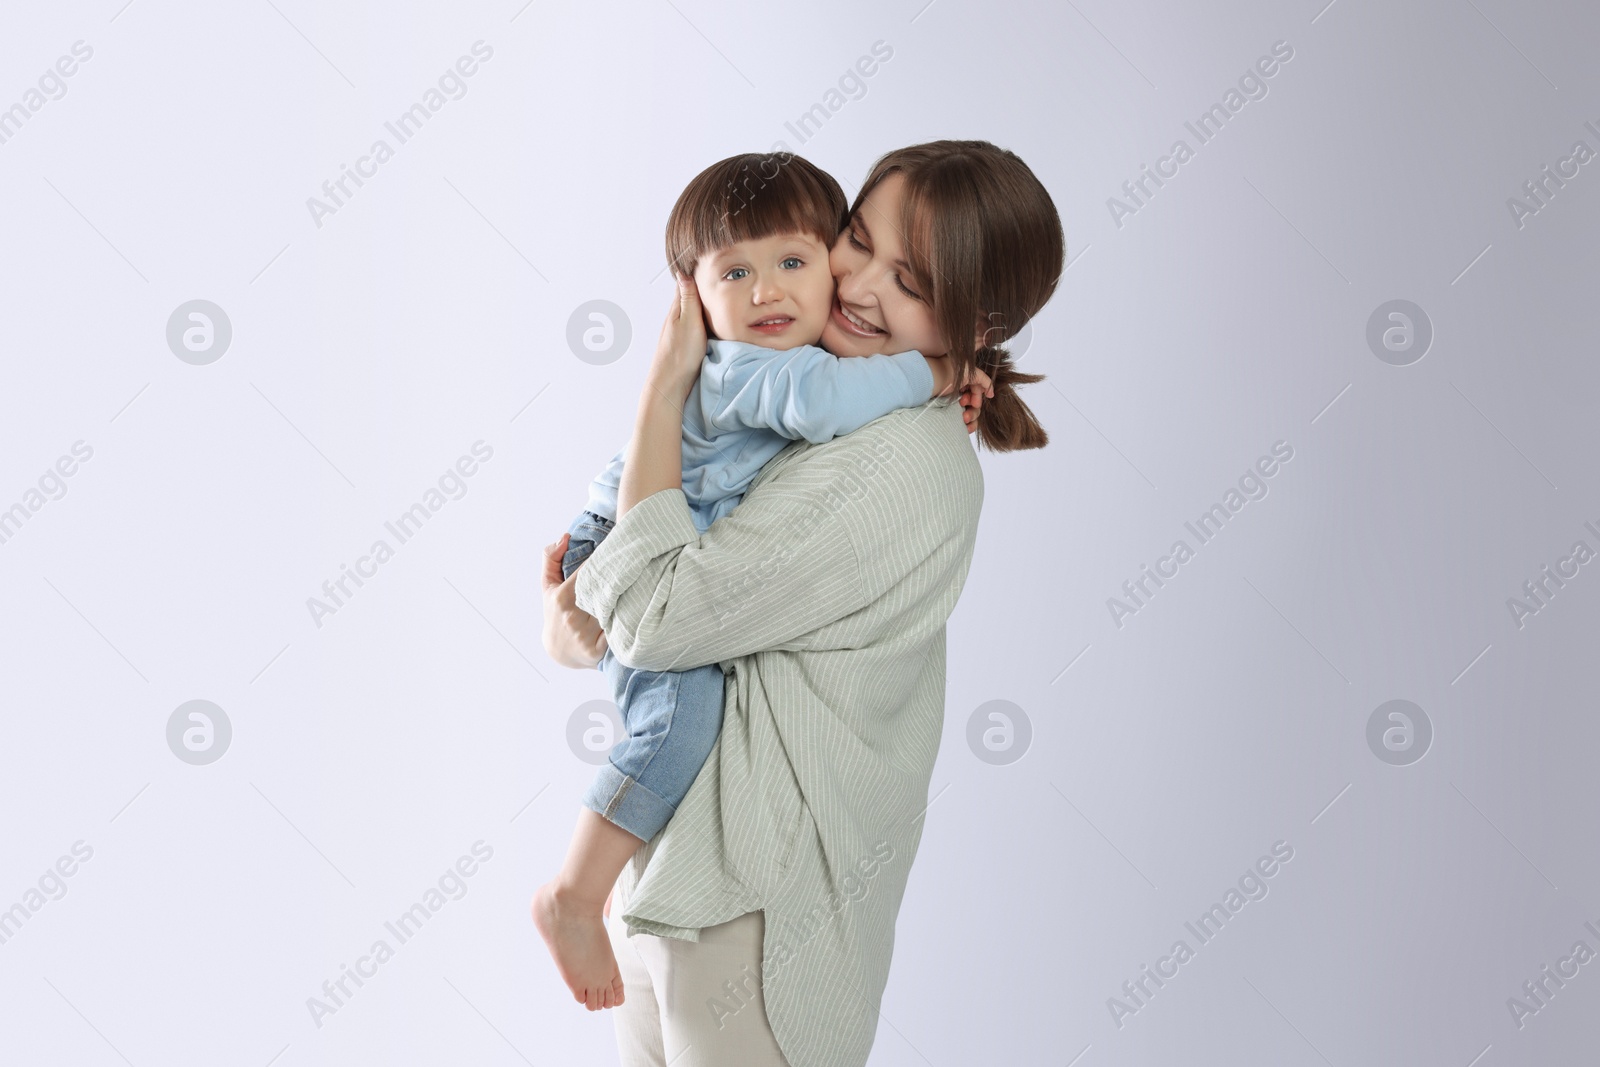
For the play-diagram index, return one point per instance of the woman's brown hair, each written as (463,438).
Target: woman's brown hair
(985,244)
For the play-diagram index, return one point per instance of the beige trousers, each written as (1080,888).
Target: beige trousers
(692,1003)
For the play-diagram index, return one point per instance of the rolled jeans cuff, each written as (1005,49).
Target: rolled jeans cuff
(623,801)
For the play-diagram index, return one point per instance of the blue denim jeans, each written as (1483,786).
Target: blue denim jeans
(670,718)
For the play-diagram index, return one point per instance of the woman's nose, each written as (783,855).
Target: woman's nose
(853,287)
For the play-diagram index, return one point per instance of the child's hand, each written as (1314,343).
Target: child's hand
(971,392)
(682,346)
(971,407)
(980,384)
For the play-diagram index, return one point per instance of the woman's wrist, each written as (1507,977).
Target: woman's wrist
(665,388)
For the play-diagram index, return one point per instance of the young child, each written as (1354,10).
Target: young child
(754,232)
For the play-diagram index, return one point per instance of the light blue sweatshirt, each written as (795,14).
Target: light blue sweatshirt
(750,402)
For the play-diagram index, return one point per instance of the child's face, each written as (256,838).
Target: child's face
(776,292)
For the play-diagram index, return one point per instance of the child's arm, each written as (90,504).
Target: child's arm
(808,394)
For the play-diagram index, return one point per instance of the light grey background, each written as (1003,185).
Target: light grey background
(431,311)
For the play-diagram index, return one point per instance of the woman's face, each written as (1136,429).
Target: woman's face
(877,307)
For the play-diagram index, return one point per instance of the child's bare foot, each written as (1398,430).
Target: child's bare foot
(577,939)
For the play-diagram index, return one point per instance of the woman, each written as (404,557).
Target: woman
(763,915)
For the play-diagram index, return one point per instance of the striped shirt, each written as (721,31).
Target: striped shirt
(824,597)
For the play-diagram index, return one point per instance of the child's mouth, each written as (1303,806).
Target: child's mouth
(850,324)
(772,324)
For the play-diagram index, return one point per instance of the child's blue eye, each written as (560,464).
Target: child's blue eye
(792,263)
(736,274)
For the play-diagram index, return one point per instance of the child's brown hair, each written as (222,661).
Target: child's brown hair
(748,197)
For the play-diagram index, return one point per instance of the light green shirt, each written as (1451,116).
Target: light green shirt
(824,597)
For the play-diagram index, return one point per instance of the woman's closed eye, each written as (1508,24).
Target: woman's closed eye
(856,243)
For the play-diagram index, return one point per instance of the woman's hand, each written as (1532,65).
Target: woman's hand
(572,637)
(682,345)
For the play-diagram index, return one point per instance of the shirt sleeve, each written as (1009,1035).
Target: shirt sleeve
(766,576)
(812,395)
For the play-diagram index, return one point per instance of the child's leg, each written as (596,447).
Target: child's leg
(587,531)
(563,907)
(569,910)
(584,536)
(672,720)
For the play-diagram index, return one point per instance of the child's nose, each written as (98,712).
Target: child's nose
(767,290)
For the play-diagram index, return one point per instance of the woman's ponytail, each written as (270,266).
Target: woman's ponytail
(1005,422)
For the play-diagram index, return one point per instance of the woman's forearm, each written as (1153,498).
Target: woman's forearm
(653,460)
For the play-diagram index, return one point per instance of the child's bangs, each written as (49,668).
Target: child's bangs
(750,214)
(751,197)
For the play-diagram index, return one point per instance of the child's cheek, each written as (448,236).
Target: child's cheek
(719,314)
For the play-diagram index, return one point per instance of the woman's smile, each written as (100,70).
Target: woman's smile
(851,324)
